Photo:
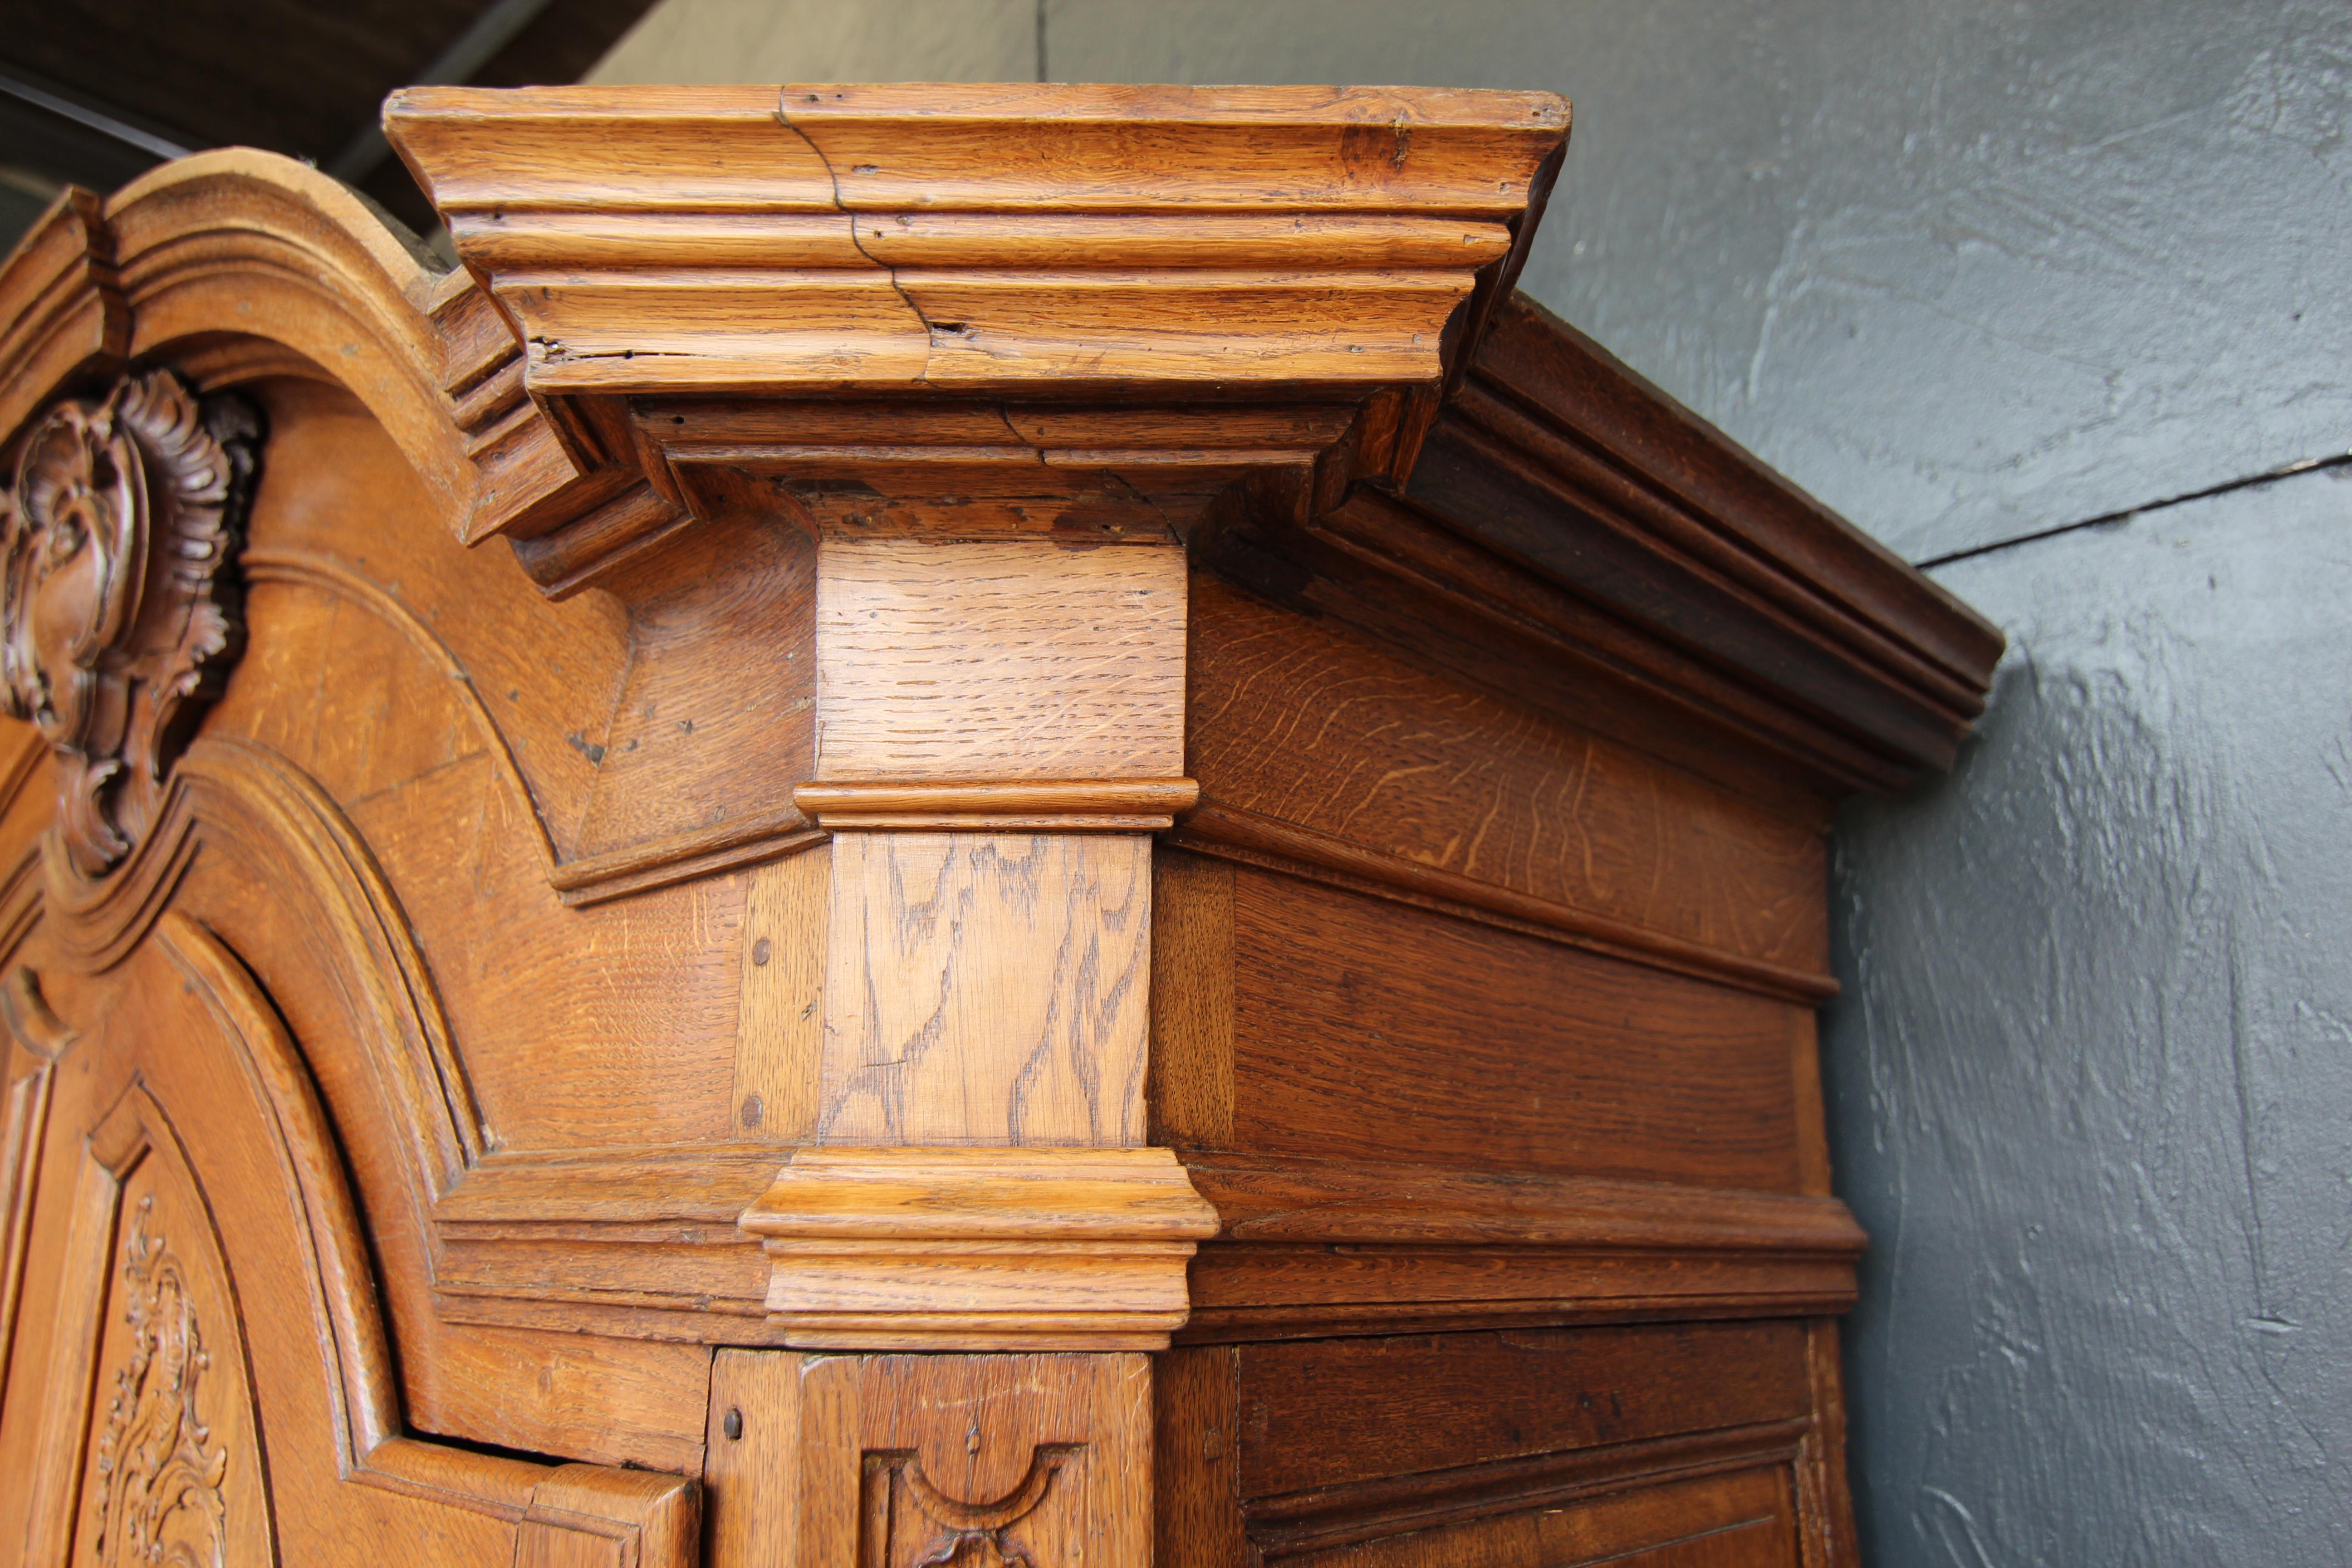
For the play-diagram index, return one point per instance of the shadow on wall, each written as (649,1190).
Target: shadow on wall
(2092,1079)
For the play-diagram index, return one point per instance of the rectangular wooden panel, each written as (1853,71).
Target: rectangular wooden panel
(1364,1029)
(1325,1412)
(876,1461)
(987,988)
(751,1476)
(1005,659)
(1190,1074)
(1294,719)
(1740,1520)
(780,1018)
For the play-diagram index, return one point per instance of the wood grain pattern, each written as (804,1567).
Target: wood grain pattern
(980,1249)
(1497,1050)
(999,662)
(682,755)
(896,229)
(35,1039)
(1196,1458)
(1046,806)
(1312,1247)
(1274,846)
(174,1465)
(983,459)
(647,1241)
(751,1480)
(780,1024)
(986,988)
(1303,725)
(1519,1449)
(1569,537)
(1330,1412)
(1825,1506)
(894,1461)
(1191,1069)
(240,1244)
(1741,1520)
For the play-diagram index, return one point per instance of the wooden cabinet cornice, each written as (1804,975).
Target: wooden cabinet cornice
(942,824)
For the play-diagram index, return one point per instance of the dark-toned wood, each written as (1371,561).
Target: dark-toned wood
(1332,1412)
(1481,1448)
(121,613)
(1357,1022)
(877,653)
(1569,527)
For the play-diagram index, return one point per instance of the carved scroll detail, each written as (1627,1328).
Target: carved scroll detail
(971,1534)
(120,609)
(159,1472)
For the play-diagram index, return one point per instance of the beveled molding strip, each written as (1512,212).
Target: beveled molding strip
(978,1248)
(645,1243)
(999,806)
(1331,1518)
(1310,1249)
(1233,834)
(704,852)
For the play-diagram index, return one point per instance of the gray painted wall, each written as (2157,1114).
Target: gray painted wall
(2089,1083)
(1974,271)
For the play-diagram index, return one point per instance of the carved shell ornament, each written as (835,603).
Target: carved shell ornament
(120,612)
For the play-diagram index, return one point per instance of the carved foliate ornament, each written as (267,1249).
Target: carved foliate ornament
(159,1469)
(119,611)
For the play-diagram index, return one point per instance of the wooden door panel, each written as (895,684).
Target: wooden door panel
(28,1052)
(201,1364)
(171,1468)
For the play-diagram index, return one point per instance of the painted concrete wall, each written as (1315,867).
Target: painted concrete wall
(2091,1076)
(1974,271)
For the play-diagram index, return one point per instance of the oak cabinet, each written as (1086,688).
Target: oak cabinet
(942,826)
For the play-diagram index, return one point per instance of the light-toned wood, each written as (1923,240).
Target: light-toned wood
(35,1038)
(211,1231)
(900,236)
(896,1461)
(1275,846)
(1049,806)
(987,989)
(980,1249)
(780,1027)
(68,1389)
(176,1464)
(1015,660)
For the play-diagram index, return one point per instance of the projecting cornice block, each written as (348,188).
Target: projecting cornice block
(1021,237)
